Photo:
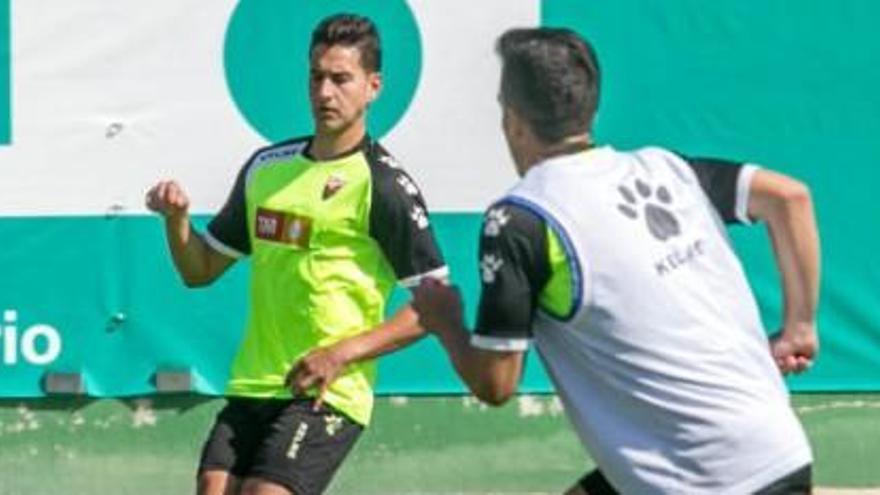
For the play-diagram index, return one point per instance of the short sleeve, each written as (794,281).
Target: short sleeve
(227,232)
(514,270)
(726,184)
(400,224)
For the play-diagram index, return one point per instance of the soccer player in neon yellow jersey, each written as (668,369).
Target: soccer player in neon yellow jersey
(331,224)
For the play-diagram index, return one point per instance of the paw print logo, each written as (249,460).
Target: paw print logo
(332,424)
(496,219)
(489,266)
(419,217)
(661,223)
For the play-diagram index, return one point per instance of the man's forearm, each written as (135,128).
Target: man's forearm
(786,207)
(793,231)
(400,330)
(492,376)
(188,251)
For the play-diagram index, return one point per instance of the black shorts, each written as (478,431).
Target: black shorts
(282,441)
(799,482)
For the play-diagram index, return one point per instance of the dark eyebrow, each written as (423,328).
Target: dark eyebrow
(314,72)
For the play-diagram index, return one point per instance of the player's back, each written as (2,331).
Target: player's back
(664,369)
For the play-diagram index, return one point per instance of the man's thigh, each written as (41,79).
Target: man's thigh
(257,486)
(217,482)
(233,441)
(303,448)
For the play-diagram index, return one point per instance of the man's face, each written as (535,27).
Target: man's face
(339,88)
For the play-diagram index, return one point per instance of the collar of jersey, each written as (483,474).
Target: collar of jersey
(594,159)
(361,146)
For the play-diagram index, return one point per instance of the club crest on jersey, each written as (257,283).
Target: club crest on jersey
(283,227)
(333,185)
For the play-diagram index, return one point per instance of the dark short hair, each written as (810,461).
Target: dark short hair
(551,78)
(350,30)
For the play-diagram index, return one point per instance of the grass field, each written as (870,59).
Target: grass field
(424,445)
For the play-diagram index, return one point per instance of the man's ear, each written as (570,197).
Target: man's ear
(515,125)
(374,85)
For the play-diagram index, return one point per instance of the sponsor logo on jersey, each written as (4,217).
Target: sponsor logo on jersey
(280,153)
(333,185)
(679,257)
(284,227)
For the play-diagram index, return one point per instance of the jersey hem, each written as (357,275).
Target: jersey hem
(360,417)
(771,474)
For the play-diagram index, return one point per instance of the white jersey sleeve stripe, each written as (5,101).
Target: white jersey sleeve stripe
(221,248)
(441,273)
(500,343)
(743,185)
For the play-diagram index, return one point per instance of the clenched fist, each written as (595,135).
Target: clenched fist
(168,199)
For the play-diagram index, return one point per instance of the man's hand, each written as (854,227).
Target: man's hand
(168,199)
(438,305)
(318,369)
(795,348)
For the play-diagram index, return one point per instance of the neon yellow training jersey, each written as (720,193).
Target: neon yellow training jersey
(328,241)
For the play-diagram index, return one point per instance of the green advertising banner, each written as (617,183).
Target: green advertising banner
(791,86)
(5,106)
(178,90)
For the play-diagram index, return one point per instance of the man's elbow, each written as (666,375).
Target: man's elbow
(202,275)
(792,198)
(195,281)
(495,395)
(796,194)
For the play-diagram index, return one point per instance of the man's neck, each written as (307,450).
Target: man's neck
(327,146)
(568,146)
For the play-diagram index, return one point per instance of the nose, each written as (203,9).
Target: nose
(323,88)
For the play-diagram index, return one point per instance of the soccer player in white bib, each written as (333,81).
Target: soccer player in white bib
(617,267)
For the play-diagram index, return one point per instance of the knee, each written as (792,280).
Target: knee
(216,483)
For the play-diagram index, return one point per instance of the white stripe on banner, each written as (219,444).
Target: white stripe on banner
(109,97)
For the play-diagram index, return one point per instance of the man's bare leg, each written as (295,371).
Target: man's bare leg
(576,490)
(217,482)
(257,486)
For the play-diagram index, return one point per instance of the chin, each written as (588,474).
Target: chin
(328,126)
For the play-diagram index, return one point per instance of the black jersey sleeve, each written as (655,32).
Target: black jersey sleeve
(228,230)
(720,181)
(514,268)
(399,221)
